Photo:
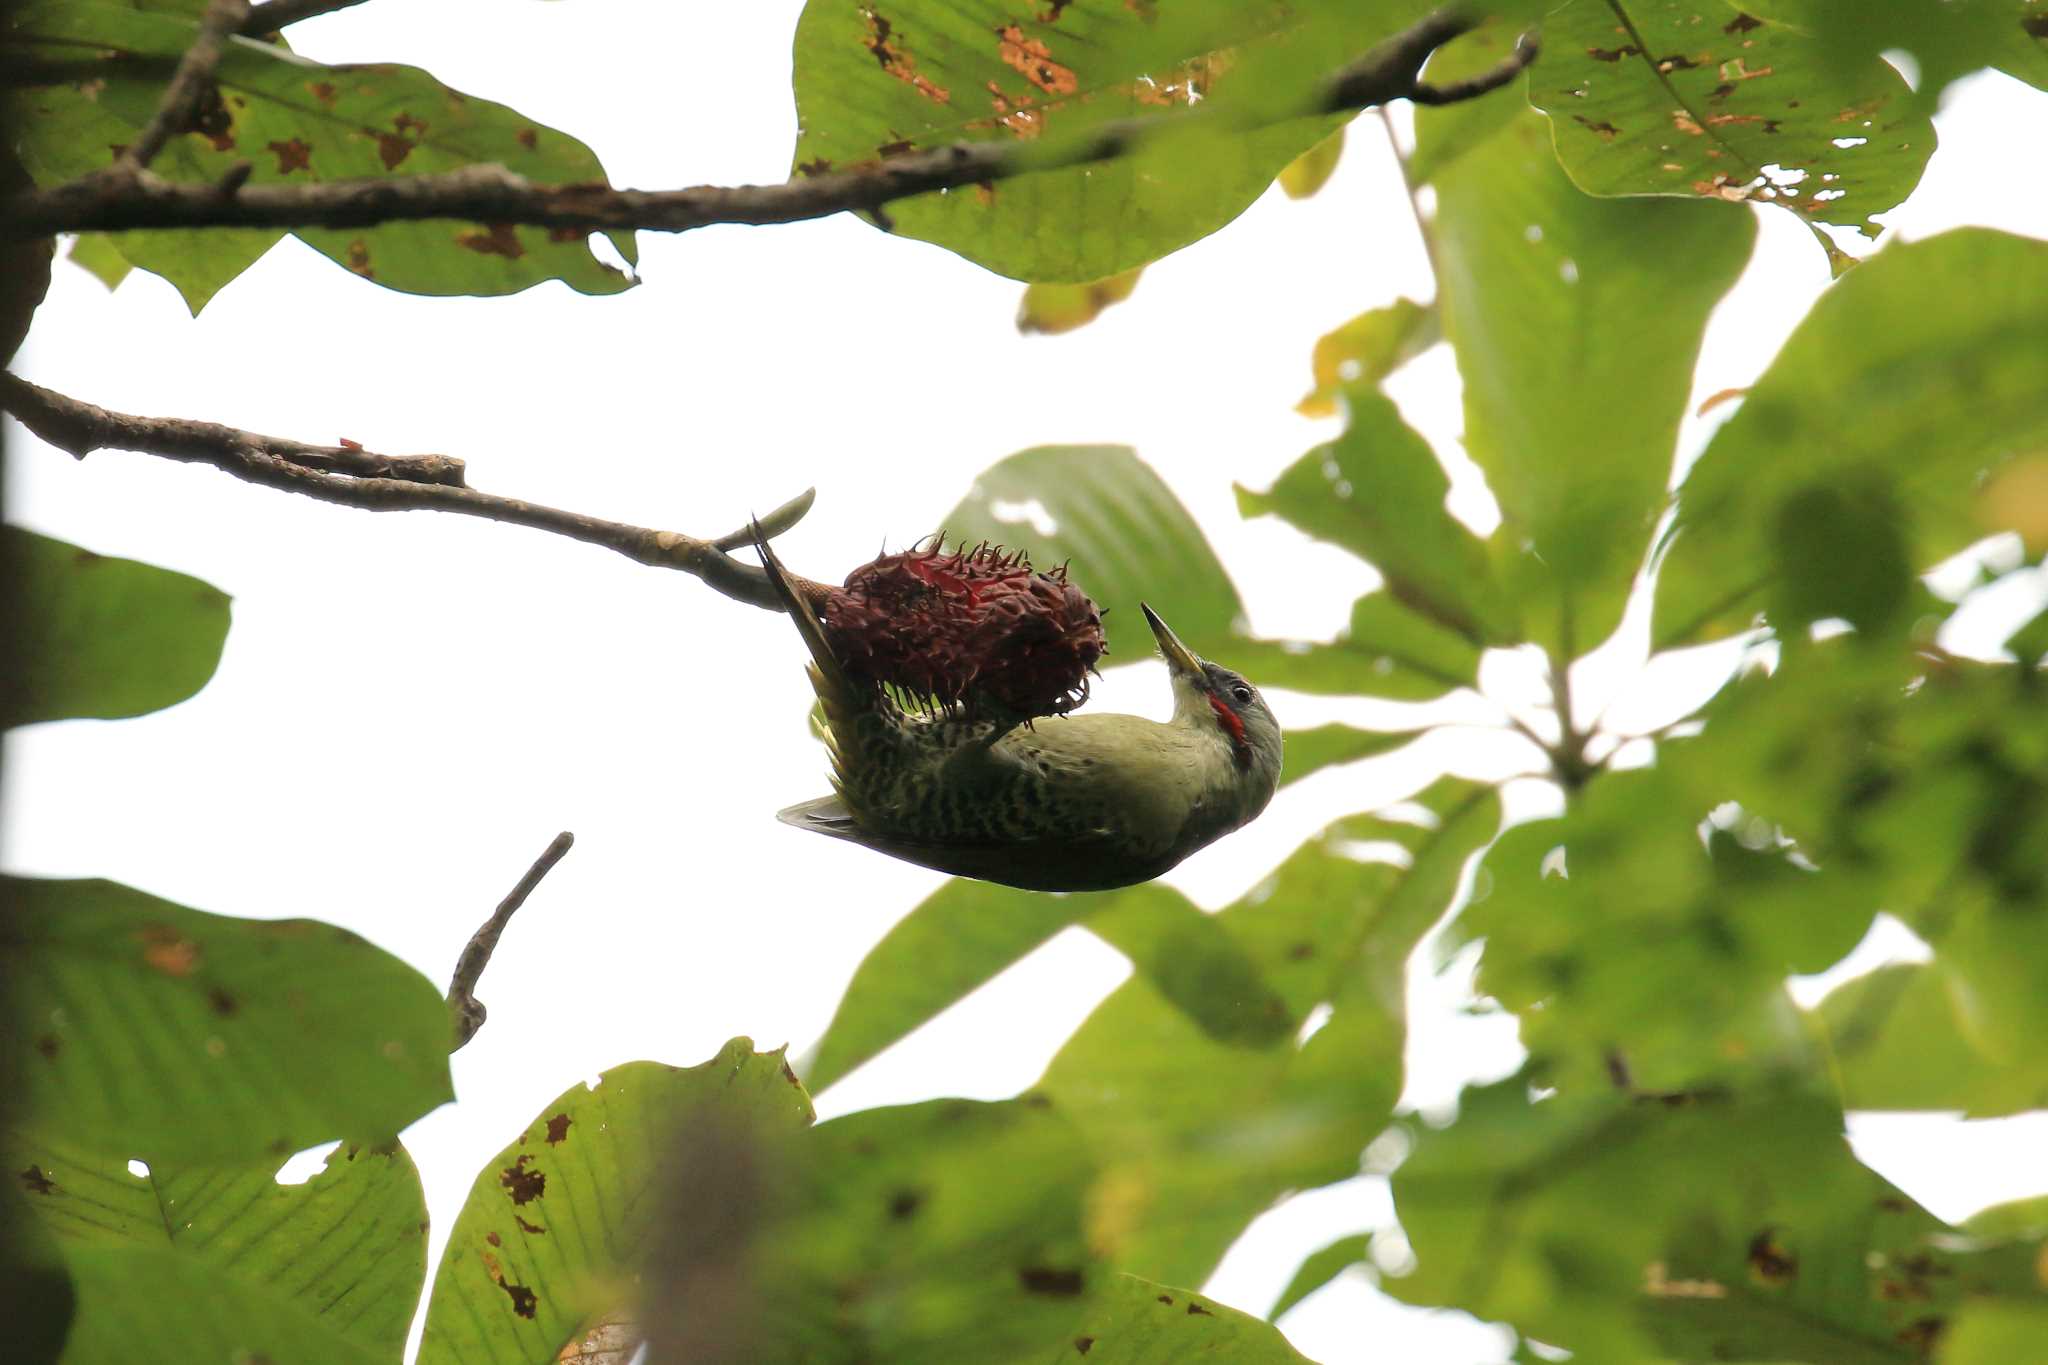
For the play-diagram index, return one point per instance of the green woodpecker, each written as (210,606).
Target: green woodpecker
(1067,803)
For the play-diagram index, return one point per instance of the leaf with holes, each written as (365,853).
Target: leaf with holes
(299,122)
(1576,322)
(104,637)
(171,1034)
(1908,405)
(557,1227)
(1644,98)
(1198,1136)
(877,80)
(329,1269)
(1138,1322)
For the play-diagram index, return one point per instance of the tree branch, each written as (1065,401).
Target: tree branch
(355,477)
(1527,49)
(123,198)
(467,1011)
(274,15)
(180,103)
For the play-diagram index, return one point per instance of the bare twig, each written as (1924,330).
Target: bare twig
(180,103)
(273,15)
(347,475)
(492,194)
(468,1011)
(1527,49)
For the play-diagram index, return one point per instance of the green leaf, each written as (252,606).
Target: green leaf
(958,938)
(1944,39)
(1311,750)
(1576,322)
(296,121)
(1138,1322)
(1194,962)
(1733,1227)
(559,1224)
(1310,171)
(1995,1332)
(1056,308)
(1198,1136)
(96,254)
(1455,129)
(1378,491)
(1900,1039)
(939,1232)
(175,1035)
(1365,350)
(1910,390)
(104,637)
(874,82)
(338,1260)
(2029,643)
(1322,1266)
(1387,650)
(1644,98)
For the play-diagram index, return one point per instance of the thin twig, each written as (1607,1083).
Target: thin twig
(467,1011)
(81,428)
(1527,48)
(493,194)
(180,102)
(273,15)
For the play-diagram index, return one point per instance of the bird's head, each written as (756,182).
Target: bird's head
(1206,694)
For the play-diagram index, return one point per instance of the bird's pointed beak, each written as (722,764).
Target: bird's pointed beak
(1179,657)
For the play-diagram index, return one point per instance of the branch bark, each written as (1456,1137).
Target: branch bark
(180,102)
(125,197)
(355,477)
(468,1012)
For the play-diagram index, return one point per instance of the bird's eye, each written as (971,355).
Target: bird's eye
(1242,694)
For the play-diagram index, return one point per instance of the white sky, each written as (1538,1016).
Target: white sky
(411,705)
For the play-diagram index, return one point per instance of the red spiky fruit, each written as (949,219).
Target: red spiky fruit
(974,628)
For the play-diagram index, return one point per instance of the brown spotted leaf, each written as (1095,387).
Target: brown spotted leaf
(1646,98)
(295,122)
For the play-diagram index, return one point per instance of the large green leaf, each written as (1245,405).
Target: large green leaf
(1197,1136)
(873,81)
(1576,322)
(558,1225)
(1310,751)
(104,637)
(939,1232)
(1138,1322)
(1736,1226)
(1378,492)
(336,1262)
(1319,1268)
(175,1035)
(1645,98)
(1890,416)
(1900,1038)
(296,121)
(1943,40)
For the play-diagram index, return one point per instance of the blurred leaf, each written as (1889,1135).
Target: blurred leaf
(1455,129)
(96,254)
(1055,308)
(1942,40)
(557,1227)
(1576,322)
(940,1232)
(175,1035)
(1387,650)
(1321,1267)
(336,1262)
(1197,1137)
(1909,382)
(1995,1332)
(1378,491)
(1366,350)
(104,637)
(296,121)
(1311,750)
(1899,1042)
(870,85)
(1138,1322)
(1736,1226)
(2029,644)
(1741,107)
(1193,961)
(1310,171)
(957,939)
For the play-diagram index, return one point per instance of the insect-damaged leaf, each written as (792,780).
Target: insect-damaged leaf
(295,122)
(560,1225)
(103,637)
(1644,98)
(171,1034)
(327,1270)
(880,79)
